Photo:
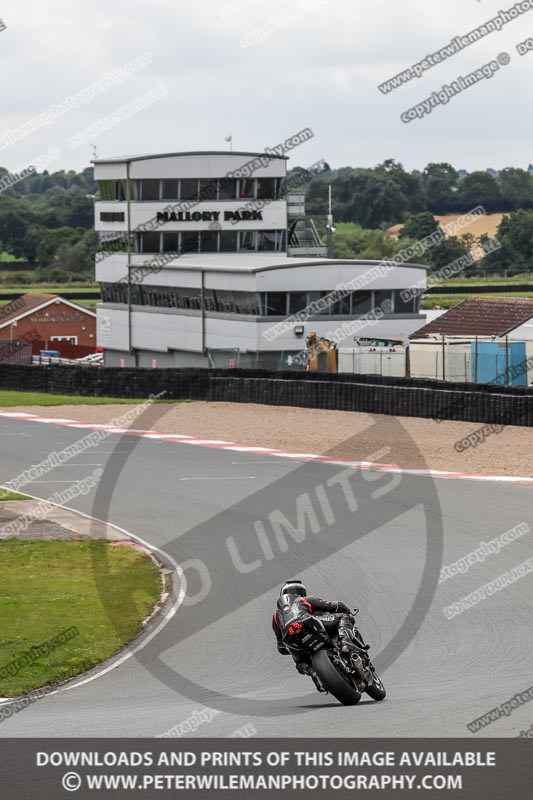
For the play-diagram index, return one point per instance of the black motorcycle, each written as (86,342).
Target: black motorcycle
(345,675)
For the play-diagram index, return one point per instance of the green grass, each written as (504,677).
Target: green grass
(493,280)
(48,586)
(12,399)
(5,494)
(90,304)
(50,288)
(9,258)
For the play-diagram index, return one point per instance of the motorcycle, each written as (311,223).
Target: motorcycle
(343,672)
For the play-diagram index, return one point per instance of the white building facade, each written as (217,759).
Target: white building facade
(198,268)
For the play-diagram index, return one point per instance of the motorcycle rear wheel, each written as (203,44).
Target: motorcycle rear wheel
(336,684)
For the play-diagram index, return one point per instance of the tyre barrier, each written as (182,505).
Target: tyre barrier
(482,403)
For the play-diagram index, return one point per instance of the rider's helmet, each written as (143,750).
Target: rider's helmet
(294,587)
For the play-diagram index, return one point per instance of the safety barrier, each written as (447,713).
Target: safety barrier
(501,405)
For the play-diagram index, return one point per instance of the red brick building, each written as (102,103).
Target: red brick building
(48,320)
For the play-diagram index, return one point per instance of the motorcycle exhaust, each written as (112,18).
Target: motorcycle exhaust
(357,664)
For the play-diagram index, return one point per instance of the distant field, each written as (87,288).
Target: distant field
(449,300)
(484,224)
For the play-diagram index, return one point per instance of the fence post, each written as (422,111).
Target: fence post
(443,358)
(475,363)
(507,361)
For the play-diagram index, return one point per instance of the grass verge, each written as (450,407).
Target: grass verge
(5,494)
(12,399)
(47,587)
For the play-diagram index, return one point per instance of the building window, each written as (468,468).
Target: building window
(169,190)
(402,306)
(267,188)
(247,241)
(228,241)
(114,292)
(361,303)
(208,189)
(384,300)
(209,300)
(276,304)
(69,339)
(111,216)
(189,189)
(106,190)
(112,244)
(112,190)
(189,242)
(339,303)
(227,189)
(208,241)
(271,240)
(150,242)
(246,187)
(226,302)
(150,189)
(297,302)
(171,242)
(246,303)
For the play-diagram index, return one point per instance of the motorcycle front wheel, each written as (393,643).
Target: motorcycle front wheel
(334,681)
(376,691)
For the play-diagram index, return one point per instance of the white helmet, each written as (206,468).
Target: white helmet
(294,587)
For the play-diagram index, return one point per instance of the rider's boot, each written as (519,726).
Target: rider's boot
(316,680)
(307,669)
(359,642)
(351,641)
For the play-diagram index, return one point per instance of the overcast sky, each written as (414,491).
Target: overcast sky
(318,67)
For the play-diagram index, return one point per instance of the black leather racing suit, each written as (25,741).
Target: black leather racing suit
(334,615)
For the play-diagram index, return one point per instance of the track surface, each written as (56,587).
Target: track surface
(219,653)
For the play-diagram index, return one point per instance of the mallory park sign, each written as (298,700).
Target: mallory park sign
(208,216)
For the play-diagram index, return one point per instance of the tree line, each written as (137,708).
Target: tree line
(46,225)
(514,255)
(46,220)
(388,194)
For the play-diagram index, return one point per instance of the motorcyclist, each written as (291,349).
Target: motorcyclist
(334,615)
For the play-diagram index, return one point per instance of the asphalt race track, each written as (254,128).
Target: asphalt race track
(374,539)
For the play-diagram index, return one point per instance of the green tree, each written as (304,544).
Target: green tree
(440,183)
(479,189)
(15,218)
(515,235)
(354,241)
(409,183)
(77,258)
(516,188)
(419,226)
(53,239)
(446,251)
